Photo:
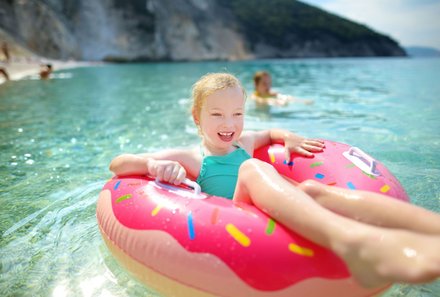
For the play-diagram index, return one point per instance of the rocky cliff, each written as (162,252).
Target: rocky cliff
(120,30)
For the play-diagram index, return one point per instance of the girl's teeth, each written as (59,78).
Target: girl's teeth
(226,136)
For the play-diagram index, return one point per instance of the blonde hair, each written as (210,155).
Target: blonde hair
(208,84)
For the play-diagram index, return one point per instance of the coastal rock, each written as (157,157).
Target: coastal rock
(190,30)
(186,30)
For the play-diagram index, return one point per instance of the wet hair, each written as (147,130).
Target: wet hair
(47,66)
(208,84)
(258,76)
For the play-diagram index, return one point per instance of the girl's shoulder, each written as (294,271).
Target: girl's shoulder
(191,159)
(247,141)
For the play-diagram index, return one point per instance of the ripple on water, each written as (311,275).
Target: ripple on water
(73,125)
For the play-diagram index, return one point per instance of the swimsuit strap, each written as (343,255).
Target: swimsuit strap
(201,150)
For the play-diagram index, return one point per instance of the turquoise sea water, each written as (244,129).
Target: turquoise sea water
(57,138)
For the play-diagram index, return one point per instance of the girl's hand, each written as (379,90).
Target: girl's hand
(300,145)
(168,171)
(282,100)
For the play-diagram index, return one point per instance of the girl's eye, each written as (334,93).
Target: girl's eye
(238,114)
(216,114)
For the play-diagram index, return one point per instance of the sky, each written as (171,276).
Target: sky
(409,22)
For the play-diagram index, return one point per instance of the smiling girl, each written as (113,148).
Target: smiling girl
(385,247)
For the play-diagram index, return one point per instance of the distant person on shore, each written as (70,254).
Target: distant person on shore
(45,71)
(4,73)
(5,51)
(263,95)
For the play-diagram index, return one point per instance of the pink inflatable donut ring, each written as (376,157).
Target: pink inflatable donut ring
(183,243)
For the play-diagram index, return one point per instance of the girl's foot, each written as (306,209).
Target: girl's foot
(383,256)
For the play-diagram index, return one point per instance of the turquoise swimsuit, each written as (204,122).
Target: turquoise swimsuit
(218,174)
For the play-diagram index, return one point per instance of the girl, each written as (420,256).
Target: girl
(263,94)
(381,240)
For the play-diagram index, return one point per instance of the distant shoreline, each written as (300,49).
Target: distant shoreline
(30,66)
(25,67)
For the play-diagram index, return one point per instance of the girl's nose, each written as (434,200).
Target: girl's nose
(228,122)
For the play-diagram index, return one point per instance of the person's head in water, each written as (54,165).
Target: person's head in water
(45,70)
(262,83)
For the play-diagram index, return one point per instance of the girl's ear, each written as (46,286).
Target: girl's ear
(196,120)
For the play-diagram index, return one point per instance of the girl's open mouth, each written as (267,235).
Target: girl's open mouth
(226,136)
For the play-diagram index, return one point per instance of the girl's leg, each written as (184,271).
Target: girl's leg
(374,255)
(373,208)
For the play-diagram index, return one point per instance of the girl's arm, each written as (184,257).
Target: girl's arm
(288,98)
(292,142)
(170,166)
(271,99)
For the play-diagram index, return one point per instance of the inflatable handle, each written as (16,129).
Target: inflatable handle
(362,160)
(192,184)
(178,190)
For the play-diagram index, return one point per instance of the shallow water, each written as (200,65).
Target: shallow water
(58,136)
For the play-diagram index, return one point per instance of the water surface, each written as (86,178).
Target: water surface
(57,138)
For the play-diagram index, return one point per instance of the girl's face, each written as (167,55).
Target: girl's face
(265,84)
(221,119)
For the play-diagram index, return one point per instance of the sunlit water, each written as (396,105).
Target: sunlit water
(58,137)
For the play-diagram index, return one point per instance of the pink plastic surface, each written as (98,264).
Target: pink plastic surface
(261,252)
(331,167)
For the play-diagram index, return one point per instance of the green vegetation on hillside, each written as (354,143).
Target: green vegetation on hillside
(281,22)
